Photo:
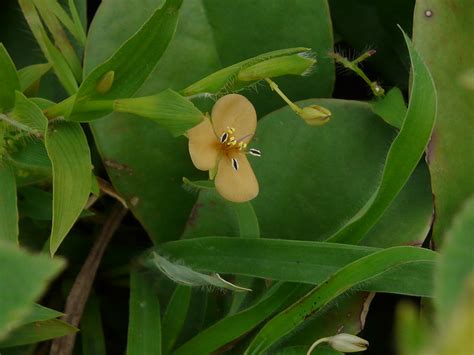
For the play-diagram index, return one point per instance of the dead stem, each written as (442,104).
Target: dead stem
(82,286)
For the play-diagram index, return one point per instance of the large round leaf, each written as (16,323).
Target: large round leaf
(144,162)
(314,179)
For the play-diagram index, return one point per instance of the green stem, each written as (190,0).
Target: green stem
(315,344)
(275,88)
(63,108)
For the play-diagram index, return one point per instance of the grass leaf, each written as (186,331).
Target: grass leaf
(298,261)
(144,327)
(403,156)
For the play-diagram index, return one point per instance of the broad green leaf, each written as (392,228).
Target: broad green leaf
(69,152)
(391,107)
(456,263)
(326,173)
(403,156)
(144,327)
(36,332)
(175,316)
(372,24)
(32,154)
(194,53)
(25,277)
(297,261)
(268,28)
(29,114)
(132,63)
(435,22)
(92,334)
(31,74)
(351,275)
(9,81)
(8,204)
(235,326)
(186,276)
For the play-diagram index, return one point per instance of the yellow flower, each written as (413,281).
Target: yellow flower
(223,142)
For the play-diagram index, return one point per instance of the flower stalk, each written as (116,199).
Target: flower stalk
(313,115)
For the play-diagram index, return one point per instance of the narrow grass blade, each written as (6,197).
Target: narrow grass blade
(403,156)
(175,316)
(233,327)
(38,331)
(299,261)
(31,74)
(9,81)
(92,334)
(144,327)
(354,274)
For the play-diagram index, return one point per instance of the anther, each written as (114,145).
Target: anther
(224,137)
(255,152)
(235,164)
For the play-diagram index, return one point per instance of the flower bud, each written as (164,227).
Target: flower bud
(168,108)
(296,64)
(315,115)
(347,343)
(239,75)
(105,83)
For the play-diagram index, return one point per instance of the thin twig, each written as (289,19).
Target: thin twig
(82,286)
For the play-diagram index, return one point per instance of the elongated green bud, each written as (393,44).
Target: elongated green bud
(168,108)
(239,75)
(105,83)
(297,64)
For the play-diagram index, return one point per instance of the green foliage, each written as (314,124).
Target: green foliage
(8,79)
(33,272)
(403,156)
(352,274)
(346,207)
(456,267)
(31,74)
(296,261)
(132,63)
(69,152)
(144,326)
(391,107)
(8,204)
(450,168)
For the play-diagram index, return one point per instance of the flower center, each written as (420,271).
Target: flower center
(230,143)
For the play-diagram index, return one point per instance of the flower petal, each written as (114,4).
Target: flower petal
(235,180)
(203,145)
(237,112)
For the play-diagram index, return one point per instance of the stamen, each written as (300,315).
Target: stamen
(244,137)
(235,164)
(224,137)
(255,152)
